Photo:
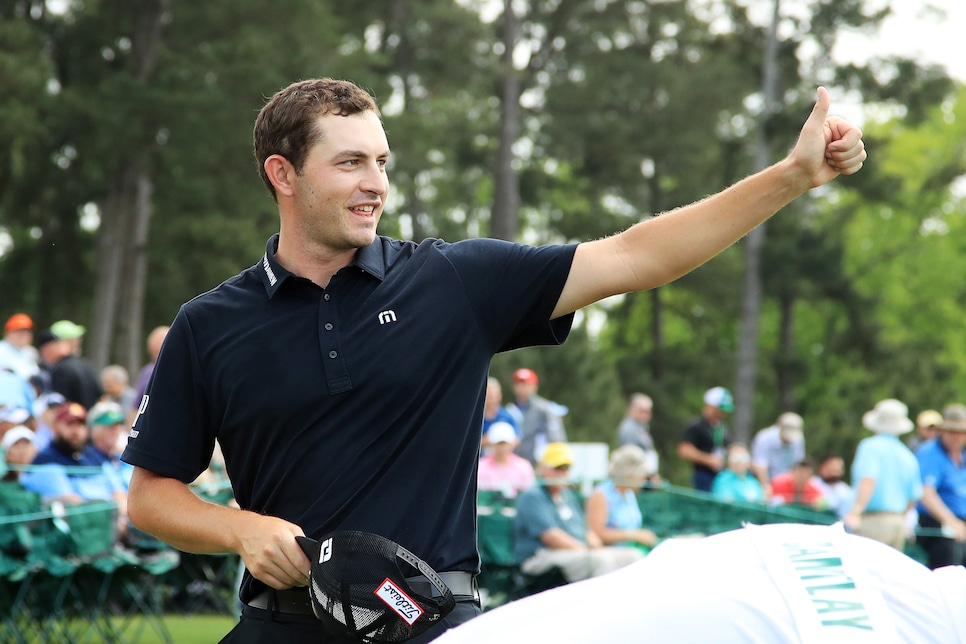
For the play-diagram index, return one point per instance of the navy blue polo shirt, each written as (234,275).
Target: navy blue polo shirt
(357,406)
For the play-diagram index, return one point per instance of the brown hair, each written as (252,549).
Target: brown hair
(288,124)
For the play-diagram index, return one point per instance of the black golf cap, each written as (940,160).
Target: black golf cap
(359,590)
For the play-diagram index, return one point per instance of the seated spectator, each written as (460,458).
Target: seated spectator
(550,530)
(735,483)
(11,417)
(44,409)
(85,480)
(829,479)
(612,510)
(19,450)
(796,487)
(501,470)
(106,421)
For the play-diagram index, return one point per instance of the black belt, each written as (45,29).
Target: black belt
(296,600)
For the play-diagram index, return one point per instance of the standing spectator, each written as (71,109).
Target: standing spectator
(537,417)
(705,440)
(927,427)
(16,352)
(830,479)
(501,470)
(635,429)
(15,392)
(612,510)
(885,476)
(942,461)
(154,342)
(72,376)
(116,385)
(550,530)
(494,411)
(797,487)
(51,349)
(775,449)
(735,482)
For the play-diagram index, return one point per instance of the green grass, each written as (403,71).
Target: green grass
(191,629)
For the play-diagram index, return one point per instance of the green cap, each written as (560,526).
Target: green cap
(67,330)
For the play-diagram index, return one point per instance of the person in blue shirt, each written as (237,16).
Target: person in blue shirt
(885,475)
(494,411)
(612,510)
(943,504)
(735,482)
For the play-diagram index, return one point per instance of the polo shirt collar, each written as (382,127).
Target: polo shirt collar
(369,258)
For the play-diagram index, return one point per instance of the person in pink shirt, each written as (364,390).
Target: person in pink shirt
(501,470)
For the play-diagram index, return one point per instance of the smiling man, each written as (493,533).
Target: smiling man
(343,374)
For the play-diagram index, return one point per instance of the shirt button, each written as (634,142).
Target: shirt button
(333,354)
(326,297)
(328,326)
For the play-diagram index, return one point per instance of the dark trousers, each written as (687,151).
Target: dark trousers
(259,626)
(940,550)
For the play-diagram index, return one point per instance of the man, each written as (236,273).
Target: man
(54,481)
(537,418)
(797,486)
(16,353)
(927,427)
(494,411)
(107,426)
(885,476)
(117,388)
(769,583)
(313,368)
(942,509)
(154,342)
(705,439)
(550,529)
(73,376)
(635,429)
(830,479)
(775,449)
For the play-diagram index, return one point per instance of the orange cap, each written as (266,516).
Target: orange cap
(19,321)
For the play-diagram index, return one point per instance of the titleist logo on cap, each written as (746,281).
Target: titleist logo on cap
(398,601)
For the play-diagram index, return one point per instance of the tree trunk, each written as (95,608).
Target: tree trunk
(786,352)
(504,220)
(122,238)
(747,369)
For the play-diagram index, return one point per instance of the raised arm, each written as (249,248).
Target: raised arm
(664,248)
(169,510)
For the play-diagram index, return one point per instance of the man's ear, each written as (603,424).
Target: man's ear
(281,173)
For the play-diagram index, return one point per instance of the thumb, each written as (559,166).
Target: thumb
(820,109)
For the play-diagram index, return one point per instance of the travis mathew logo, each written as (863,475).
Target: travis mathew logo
(398,601)
(387,316)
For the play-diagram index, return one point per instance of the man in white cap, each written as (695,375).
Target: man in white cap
(775,449)
(783,582)
(885,475)
(705,439)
